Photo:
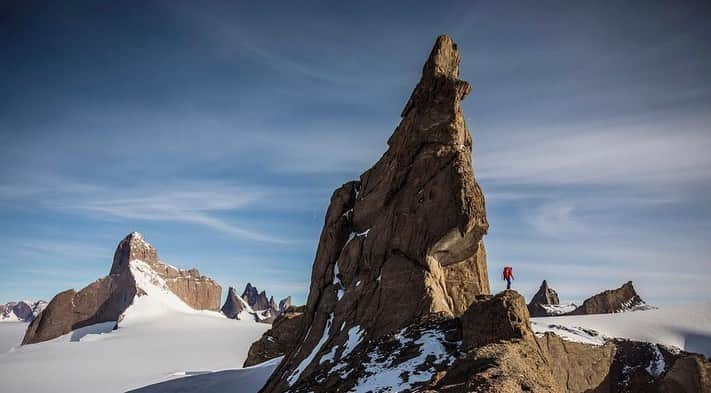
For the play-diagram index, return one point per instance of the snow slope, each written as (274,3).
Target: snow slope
(684,327)
(11,334)
(159,338)
(246,380)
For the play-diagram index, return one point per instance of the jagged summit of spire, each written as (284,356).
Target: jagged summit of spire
(440,90)
(444,59)
(136,235)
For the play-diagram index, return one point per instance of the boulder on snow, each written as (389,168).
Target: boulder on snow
(107,298)
(624,298)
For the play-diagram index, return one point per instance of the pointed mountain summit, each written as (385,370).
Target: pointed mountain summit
(136,269)
(284,304)
(253,304)
(233,305)
(404,242)
(542,300)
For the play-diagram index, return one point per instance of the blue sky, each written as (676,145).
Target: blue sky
(220,132)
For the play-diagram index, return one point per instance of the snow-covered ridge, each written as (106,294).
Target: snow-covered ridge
(683,327)
(558,309)
(385,373)
(154,297)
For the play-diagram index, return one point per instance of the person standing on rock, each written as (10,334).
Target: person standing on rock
(508,276)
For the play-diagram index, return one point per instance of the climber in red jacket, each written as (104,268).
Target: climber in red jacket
(508,276)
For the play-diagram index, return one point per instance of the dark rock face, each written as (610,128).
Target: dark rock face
(250,294)
(284,304)
(689,373)
(262,303)
(21,310)
(106,299)
(281,338)
(262,309)
(233,306)
(624,298)
(404,242)
(257,300)
(545,296)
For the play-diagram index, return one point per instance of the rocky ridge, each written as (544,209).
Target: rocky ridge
(253,305)
(21,311)
(545,302)
(107,298)
(624,298)
(235,307)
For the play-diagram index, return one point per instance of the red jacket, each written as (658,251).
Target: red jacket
(508,273)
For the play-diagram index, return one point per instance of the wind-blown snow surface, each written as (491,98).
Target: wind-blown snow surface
(685,327)
(11,334)
(245,380)
(160,337)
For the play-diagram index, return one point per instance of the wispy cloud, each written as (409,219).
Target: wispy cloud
(555,220)
(197,203)
(640,156)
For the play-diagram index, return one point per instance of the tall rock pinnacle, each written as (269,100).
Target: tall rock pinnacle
(546,296)
(404,242)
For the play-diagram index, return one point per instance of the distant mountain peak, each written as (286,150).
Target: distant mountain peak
(256,303)
(135,267)
(21,311)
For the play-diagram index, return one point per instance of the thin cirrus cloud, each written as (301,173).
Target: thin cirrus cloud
(640,156)
(178,206)
(169,203)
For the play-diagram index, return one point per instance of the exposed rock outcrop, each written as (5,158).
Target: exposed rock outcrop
(256,304)
(280,339)
(284,304)
(624,298)
(404,242)
(21,311)
(540,304)
(257,300)
(106,299)
(233,305)
(494,318)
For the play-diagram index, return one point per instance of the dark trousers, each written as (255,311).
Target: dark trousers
(508,283)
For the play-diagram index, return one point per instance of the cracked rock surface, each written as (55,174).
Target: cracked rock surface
(405,241)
